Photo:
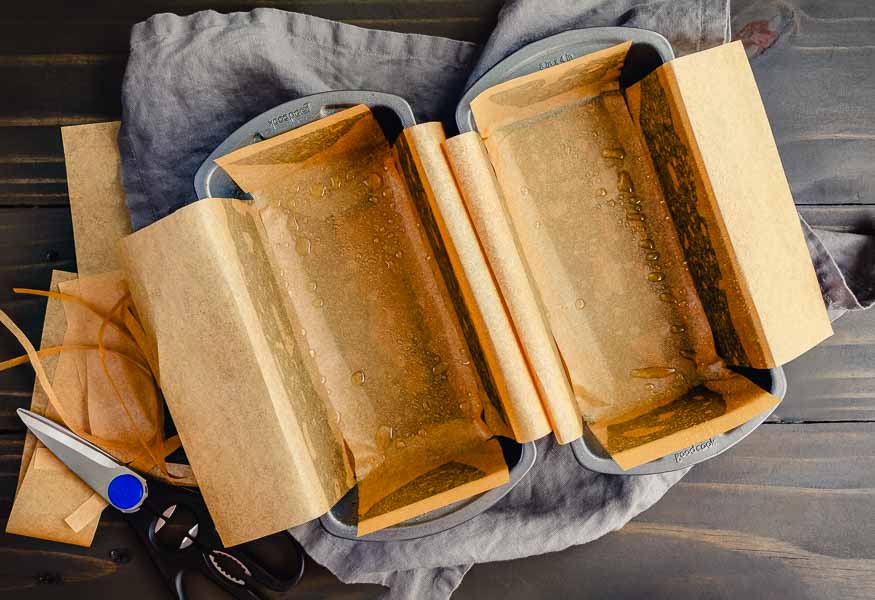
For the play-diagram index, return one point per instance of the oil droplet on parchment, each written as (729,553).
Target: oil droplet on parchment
(374,181)
(302,246)
(652,372)
(678,328)
(655,276)
(358,378)
(624,182)
(385,435)
(646,244)
(617,153)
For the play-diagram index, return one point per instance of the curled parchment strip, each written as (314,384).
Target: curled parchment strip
(483,197)
(86,513)
(151,452)
(502,352)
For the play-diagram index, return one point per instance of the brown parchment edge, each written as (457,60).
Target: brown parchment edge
(758,353)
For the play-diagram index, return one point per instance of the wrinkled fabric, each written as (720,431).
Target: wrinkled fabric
(193,80)
(559,504)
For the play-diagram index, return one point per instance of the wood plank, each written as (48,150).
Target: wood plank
(61,10)
(117,563)
(32,242)
(32,199)
(784,515)
(851,218)
(33,173)
(61,89)
(787,514)
(113,36)
(102,27)
(30,145)
(17,191)
(834,381)
(817,85)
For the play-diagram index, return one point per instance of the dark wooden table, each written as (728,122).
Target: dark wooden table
(788,514)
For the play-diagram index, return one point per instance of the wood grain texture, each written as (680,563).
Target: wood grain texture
(851,218)
(786,514)
(834,381)
(32,243)
(817,84)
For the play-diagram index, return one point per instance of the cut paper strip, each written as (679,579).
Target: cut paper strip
(86,513)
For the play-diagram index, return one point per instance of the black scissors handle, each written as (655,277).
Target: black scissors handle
(239,573)
(181,538)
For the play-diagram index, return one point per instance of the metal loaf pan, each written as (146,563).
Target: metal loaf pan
(393,114)
(649,50)
(211,181)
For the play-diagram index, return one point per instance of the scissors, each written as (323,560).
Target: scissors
(175,525)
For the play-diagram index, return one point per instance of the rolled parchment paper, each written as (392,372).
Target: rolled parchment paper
(501,349)
(485,204)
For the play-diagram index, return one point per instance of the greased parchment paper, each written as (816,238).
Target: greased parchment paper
(599,242)
(264,448)
(379,334)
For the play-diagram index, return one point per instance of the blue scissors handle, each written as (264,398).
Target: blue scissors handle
(126,492)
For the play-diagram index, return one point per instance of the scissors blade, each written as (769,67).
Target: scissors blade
(91,464)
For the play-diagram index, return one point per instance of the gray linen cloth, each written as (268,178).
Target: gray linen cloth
(192,80)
